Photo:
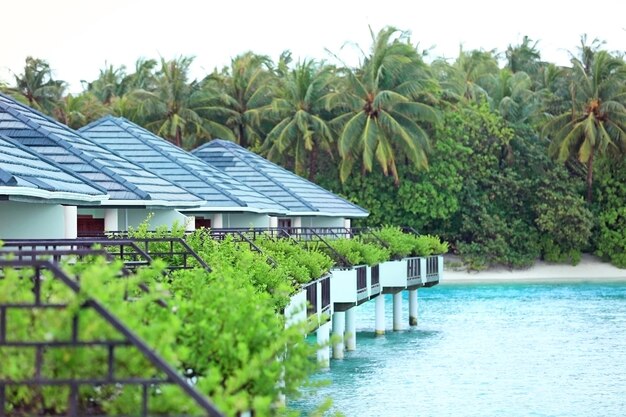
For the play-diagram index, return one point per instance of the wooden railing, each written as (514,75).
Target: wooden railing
(361,280)
(325,284)
(311,299)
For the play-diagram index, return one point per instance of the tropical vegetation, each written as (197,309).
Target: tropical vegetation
(225,330)
(506,156)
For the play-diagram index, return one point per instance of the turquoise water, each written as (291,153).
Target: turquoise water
(489,350)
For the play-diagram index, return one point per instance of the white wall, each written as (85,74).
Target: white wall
(343,286)
(161,217)
(312,221)
(31,221)
(295,312)
(244,220)
(135,216)
(393,273)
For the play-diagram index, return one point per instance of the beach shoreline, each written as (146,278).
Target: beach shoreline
(590,269)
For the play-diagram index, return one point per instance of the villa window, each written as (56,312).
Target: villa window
(285,225)
(202,222)
(89,226)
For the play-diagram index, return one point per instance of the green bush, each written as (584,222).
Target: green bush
(358,252)
(427,245)
(553,252)
(287,252)
(251,267)
(160,249)
(610,210)
(611,243)
(217,329)
(562,218)
(400,244)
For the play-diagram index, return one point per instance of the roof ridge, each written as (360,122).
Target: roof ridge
(281,186)
(215,185)
(55,164)
(77,152)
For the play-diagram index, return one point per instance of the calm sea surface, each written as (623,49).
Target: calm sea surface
(489,350)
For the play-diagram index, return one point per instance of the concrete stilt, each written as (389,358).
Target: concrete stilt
(397,311)
(412,307)
(323,336)
(339,327)
(380,314)
(350,334)
(71,222)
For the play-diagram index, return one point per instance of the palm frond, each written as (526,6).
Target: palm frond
(350,134)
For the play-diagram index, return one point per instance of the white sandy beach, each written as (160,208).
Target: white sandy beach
(590,268)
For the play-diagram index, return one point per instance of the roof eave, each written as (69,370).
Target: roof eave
(52,195)
(327,214)
(151,203)
(235,209)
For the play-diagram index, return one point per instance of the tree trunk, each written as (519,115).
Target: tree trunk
(242,135)
(178,137)
(590,176)
(313,162)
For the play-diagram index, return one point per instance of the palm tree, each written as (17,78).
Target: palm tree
(524,57)
(596,123)
(77,111)
(239,95)
(552,90)
(108,84)
(143,78)
(170,110)
(511,95)
(467,78)
(302,131)
(37,87)
(382,108)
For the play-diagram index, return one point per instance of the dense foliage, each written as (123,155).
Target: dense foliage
(224,330)
(234,355)
(492,157)
(402,245)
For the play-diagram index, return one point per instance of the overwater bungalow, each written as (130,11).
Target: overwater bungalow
(134,192)
(308,204)
(35,190)
(227,203)
(112,173)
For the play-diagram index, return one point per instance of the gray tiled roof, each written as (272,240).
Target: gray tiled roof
(122,179)
(299,195)
(219,190)
(25,173)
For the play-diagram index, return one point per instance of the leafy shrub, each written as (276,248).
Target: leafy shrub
(552,252)
(400,244)
(290,254)
(562,218)
(610,210)
(427,245)
(217,328)
(251,267)
(160,249)
(611,242)
(358,252)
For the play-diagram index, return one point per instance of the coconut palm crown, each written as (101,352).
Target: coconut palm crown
(596,123)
